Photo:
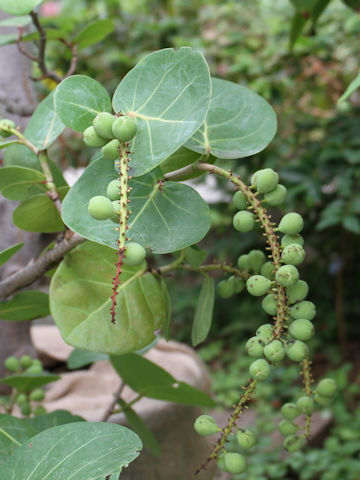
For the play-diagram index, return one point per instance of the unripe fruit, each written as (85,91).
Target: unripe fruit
(277,196)
(297,292)
(124,129)
(25,408)
(303,309)
(206,425)
(243,262)
(293,443)
(269,304)
(323,401)
(291,239)
(287,275)
(34,370)
(221,463)
(234,462)
(268,270)
(326,387)
(37,395)
(92,139)
(301,329)
(5,125)
(286,428)
(305,405)
(260,369)
(257,285)
(290,411)
(135,254)
(297,351)
(100,207)
(274,351)
(12,364)
(255,347)
(254,177)
(265,332)
(39,410)
(293,254)
(291,223)
(21,399)
(26,361)
(256,259)
(117,207)
(243,221)
(239,200)
(266,180)
(103,123)
(237,282)
(113,190)
(111,150)
(225,289)
(246,438)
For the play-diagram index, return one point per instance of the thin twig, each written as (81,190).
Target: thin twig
(108,412)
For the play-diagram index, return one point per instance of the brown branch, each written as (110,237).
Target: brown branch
(36,268)
(108,412)
(73,50)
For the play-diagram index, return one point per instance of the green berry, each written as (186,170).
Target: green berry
(258,285)
(256,259)
(234,462)
(135,254)
(304,309)
(254,177)
(274,351)
(326,387)
(301,329)
(246,438)
(25,408)
(39,410)
(239,200)
(34,369)
(305,405)
(269,304)
(206,425)
(225,289)
(12,364)
(287,275)
(117,207)
(297,351)
(323,401)
(5,126)
(291,223)
(237,282)
(103,123)
(243,221)
(21,399)
(291,239)
(260,369)
(111,150)
(255,347)
(124,129)
(92,139)
(26,361)
(37,395)
(286,428)
(297,292)
(268,270)
(243,262)
(276,197)
(293,254)
(100,208)
(221,463)
(113,190)
(265,332)
(266,180)
(293,443)
(290,411)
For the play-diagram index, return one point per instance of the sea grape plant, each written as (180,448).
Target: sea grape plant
(168,121)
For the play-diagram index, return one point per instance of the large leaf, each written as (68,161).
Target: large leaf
(80,302)
(168,94)
(58,417)
(45,125)
(28,381)
(6,254)
(19,183)
(16,21)
(19,7)
(203,313)
(13,432)
(239,123)
(93,33)
(76,451)
(78,99)
(164,218)
(150,380)
(25,306)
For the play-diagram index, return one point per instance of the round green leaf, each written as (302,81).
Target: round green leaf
(239,123)
(80,302)
(165,218)
(167,94)
(19,7)
(13,432)
(93,33)
(78,99)
(19,183)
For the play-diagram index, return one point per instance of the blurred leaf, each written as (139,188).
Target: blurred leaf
(204,311)
(297,25)
(25,306)
(7,253)
(8,143)
(195,256)
(354,4)
(354,85)
(81,358)
(318,10)
(19,7)
(304,5)
(58,417)
(352,224)
(16,21)
(167,323)
(8,38)
(93,33)
(13,432)
(28,381)
(19,183)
